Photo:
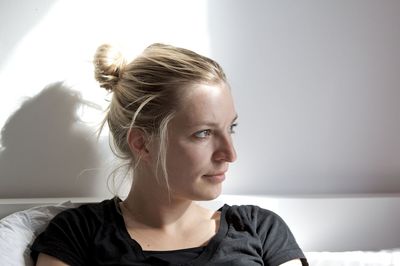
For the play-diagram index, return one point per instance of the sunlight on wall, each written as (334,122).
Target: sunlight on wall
(47,42)
(60,46)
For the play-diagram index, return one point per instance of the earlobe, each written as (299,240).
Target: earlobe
(137,141)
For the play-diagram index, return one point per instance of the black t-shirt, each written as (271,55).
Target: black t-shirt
(95,234)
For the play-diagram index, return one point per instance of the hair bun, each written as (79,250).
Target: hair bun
(108,64)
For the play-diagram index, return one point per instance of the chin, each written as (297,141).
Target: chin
(209,195)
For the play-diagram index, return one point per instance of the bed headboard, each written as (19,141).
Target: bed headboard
(8,206)
(319,223)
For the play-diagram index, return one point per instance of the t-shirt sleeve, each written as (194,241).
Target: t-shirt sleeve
(278,243)
(65,238)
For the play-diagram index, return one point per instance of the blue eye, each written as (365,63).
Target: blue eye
(202,134)
(232,128)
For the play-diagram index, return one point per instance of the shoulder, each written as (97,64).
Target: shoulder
(68,235)
(262,222)
(252,215)
(248,210)
(275,240)
(87,213)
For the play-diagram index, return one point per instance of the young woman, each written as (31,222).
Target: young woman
(171,116)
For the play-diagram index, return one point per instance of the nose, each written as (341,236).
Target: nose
(225,151)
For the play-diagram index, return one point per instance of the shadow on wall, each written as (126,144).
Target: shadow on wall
(45,148)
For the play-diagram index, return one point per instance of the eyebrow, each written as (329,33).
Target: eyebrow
(235,118)
(211,124)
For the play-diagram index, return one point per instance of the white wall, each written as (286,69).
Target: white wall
(316,88)
(48,111)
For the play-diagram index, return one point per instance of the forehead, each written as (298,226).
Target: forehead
(205,103)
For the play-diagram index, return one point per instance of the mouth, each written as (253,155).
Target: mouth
(215,178)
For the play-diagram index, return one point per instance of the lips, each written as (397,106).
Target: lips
(217,177)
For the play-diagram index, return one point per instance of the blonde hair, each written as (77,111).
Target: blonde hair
(147,92)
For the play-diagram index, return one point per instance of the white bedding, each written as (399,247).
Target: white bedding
(355,258)
(18,230)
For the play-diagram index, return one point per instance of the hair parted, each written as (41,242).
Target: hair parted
(148,90)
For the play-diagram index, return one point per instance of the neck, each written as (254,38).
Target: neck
(150,203)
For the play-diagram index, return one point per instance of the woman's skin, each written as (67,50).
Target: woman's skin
(200,149)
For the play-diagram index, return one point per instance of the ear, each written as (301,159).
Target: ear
(137,140)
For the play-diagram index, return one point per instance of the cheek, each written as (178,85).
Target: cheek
(187,159)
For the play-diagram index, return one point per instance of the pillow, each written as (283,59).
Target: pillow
(19,230)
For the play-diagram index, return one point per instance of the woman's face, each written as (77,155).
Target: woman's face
(200,144)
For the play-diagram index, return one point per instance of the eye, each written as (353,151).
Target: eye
(232,128)
(202,134)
